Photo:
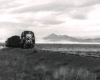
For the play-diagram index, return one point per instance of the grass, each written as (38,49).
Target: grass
(23,64)
(64,73)
(67,73)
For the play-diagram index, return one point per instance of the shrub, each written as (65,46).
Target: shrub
(67,73)
(64,73)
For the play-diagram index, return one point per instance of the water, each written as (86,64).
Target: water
(69,47)
(1,47)
(80,49)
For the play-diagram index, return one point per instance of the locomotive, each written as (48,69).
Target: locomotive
(27,40)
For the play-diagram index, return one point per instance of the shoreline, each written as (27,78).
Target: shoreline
(95,54)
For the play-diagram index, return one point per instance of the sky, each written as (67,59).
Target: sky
(77,18)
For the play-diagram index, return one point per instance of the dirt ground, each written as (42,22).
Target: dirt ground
(20,64)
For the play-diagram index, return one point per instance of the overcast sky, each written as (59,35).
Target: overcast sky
(78,18)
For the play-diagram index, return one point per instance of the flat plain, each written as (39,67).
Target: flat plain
(38,64)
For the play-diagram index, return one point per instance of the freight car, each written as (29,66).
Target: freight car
(13,41)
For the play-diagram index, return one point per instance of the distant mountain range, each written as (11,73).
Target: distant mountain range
(54,38)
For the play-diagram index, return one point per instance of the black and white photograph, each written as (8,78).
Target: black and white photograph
(49,39)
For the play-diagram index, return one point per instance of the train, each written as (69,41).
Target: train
(26,40)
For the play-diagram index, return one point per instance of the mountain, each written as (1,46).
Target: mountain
(54,38)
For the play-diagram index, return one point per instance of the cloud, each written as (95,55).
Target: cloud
(73,9)
(90,3)
(71,17)
(79,16)
(52,22)
(40,18)
(61,7)
(13,25)
(57,6)
(6,4)
(43,7)
(8,29)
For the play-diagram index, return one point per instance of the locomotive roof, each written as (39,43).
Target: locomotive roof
(28,32)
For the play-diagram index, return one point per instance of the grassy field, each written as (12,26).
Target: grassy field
(25,64)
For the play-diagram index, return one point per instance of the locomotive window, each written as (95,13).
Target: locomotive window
(28,35)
